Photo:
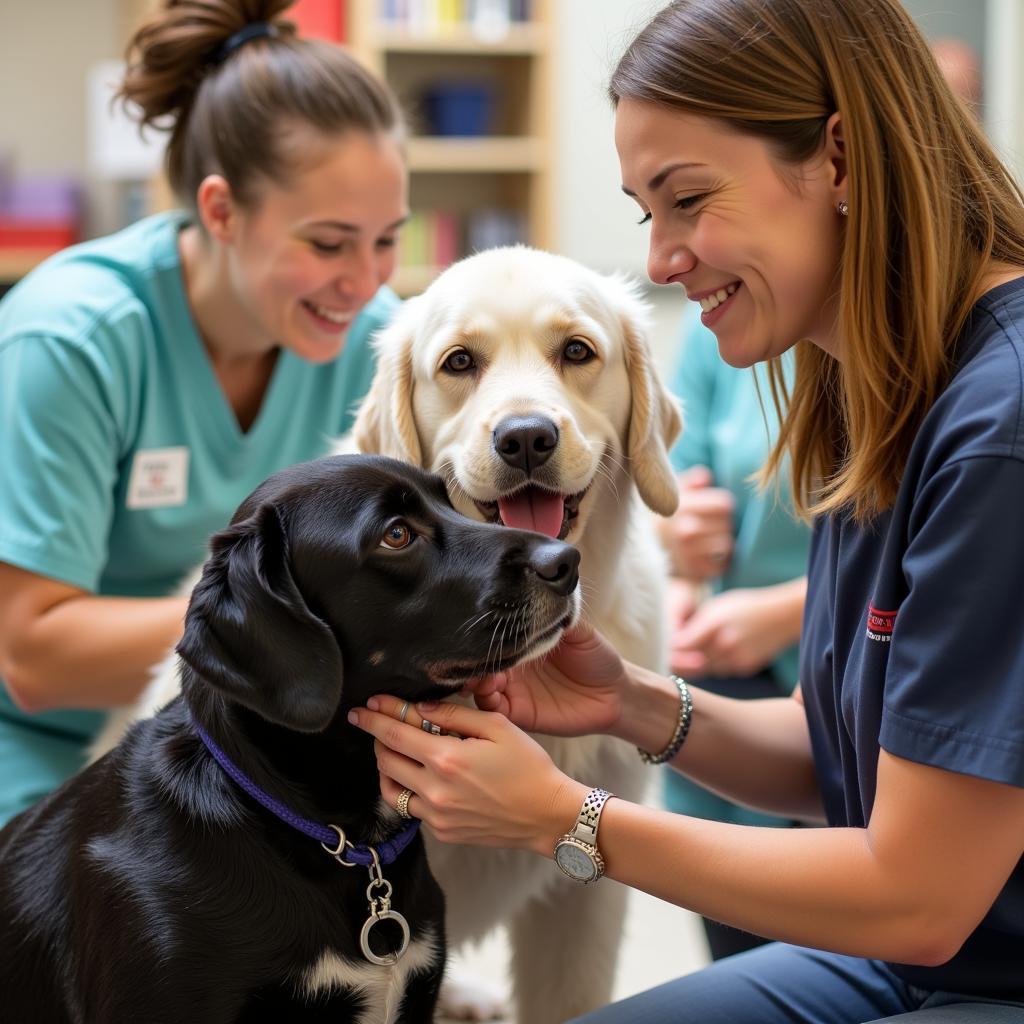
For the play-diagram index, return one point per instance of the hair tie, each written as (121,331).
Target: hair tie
(254,30)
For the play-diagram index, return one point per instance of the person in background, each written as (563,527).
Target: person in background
(738,555)
(959,66)
(153,378)
(805,163)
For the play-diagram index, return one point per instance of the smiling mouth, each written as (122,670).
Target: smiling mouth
(534,508)
(456,673)
(711,302)
(331,319)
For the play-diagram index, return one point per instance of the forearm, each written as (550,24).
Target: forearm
(91,652)
(884,891)
(811,887)
(753,752)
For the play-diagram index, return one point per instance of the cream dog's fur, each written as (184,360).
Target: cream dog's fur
(515,320)
(545,337)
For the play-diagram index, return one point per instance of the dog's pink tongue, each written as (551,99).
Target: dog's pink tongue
(533,509)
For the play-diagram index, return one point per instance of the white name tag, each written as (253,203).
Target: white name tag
(159,478)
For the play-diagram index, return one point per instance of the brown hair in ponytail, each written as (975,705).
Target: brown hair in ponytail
(241,114)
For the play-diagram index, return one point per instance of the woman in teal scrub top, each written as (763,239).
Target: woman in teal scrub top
(150,380)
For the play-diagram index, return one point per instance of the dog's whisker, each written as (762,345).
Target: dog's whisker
(469,625)
(605,470)
(487,660)
(606,473)
(520,628)
(501,641)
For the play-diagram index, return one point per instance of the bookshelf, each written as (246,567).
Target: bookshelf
(490,186)
(467,191)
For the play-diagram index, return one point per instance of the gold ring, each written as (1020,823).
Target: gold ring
(403,712)
(402,803)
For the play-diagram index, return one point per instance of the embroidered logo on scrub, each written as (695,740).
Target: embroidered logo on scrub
(880,624)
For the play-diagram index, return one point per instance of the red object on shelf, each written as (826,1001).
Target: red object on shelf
(319,19)
(18,233)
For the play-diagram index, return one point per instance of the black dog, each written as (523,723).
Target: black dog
(152,887)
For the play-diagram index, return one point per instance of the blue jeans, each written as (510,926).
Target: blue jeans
(782,984)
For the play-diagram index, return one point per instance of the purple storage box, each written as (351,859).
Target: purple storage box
(42,199)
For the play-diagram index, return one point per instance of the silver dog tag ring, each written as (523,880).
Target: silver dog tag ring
(364,938)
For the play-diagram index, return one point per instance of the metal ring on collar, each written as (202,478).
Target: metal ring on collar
(388,959)
(336,853)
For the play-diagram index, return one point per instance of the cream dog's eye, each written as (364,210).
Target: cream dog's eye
(397,536)
(459,362)
(578,351)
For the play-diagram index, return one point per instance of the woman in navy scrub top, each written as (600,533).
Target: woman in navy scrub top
(811,181)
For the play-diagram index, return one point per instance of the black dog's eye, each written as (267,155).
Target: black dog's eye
(578,351)
(397,536)
(459,362)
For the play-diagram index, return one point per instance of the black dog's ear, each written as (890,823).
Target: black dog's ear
(251,635)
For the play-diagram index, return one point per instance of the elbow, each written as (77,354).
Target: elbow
(931,941)
(930,951)
(23,684)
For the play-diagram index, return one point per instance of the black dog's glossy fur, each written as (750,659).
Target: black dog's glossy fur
(150,887)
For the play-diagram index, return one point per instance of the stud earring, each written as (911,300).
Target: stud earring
(843,207)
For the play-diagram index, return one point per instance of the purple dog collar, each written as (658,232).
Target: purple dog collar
(330,836)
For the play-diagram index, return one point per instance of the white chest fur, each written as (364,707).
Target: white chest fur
(381,988)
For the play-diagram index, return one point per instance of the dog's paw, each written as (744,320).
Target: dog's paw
(466,997)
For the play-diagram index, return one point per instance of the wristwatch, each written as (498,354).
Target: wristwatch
(576,853)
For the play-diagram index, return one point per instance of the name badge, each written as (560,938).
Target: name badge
(159,478)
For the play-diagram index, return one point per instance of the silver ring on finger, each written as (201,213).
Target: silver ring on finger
(403,711)
(427,726)
(402,803)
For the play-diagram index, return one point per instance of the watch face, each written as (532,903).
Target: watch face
(575,862)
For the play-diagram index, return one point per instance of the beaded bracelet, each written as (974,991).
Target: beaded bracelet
(682,727)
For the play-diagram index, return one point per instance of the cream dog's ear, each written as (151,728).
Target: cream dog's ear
(656,417)
(385,423)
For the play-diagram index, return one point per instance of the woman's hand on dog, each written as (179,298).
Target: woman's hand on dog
(496,786)
(576,690)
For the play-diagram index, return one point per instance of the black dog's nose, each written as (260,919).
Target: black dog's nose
(525,442)
(558,565)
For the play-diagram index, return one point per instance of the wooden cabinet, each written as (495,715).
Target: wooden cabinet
(492,184)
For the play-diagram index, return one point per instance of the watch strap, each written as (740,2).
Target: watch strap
(589,818)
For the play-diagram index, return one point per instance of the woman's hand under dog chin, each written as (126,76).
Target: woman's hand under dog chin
(496,786)
(574,690)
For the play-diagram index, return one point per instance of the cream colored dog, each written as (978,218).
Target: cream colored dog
(527,382)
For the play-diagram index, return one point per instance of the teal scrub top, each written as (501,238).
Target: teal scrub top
(119,452)
(727,430)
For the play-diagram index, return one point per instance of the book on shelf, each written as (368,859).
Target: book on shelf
(490,19)
(437,238)
(319,19)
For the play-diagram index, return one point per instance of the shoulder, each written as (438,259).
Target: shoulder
(93,281)
(981,412)
(93,296)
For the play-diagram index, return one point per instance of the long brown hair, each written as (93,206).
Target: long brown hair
(930,206)
(238,111)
